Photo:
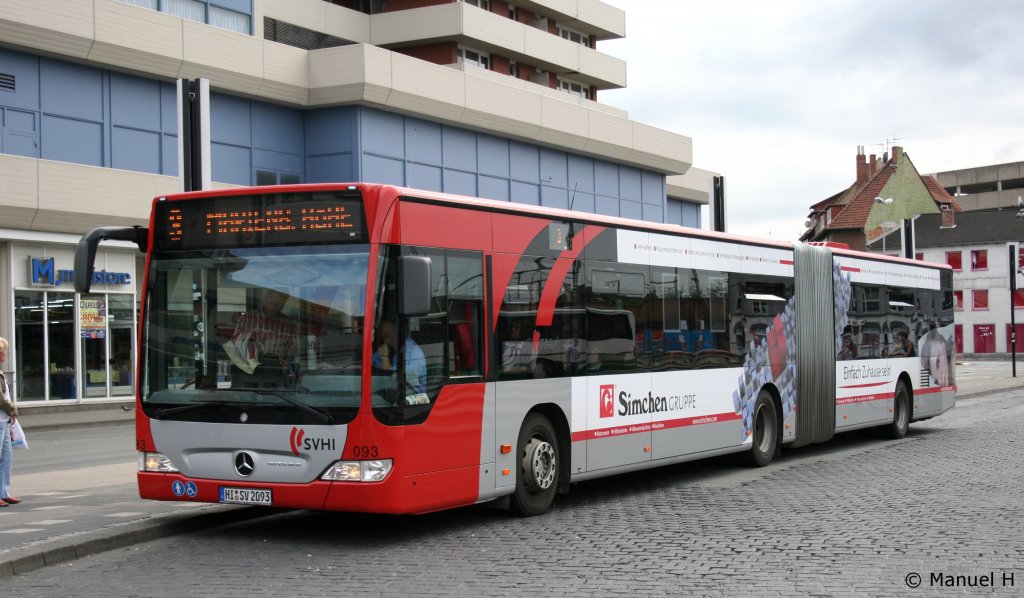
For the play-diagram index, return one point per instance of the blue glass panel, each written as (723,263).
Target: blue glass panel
(553,197)
(70,140)
(278,162)
(493,188)
(169,158)
(631,209)
(653,213)
(132,149)
(231,164)
(336,168)
(653,185)
(630,186)
(606,206)
(277,128)
(581,174)
(230,120)
(553,168)
(422,176)
(492,156)
(423,141)
(525,193)
(71,90)
(331,130)
(458,182)
(134,102)
(606,178)
(459,149)
(581,202)
(378,169)
(609,206)
(169,108)
(524,162)
(382,133)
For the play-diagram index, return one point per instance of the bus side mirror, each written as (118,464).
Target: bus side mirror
(85,252)
(413,286)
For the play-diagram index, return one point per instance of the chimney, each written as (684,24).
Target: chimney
(948,220)
(862,167)
(872,165)
(897,151)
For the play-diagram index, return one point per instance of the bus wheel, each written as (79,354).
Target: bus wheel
(537,479)
(901,417)
(766,430)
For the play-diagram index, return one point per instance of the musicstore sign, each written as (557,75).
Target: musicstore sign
(43,272)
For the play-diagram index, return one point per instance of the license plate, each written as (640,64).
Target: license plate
(245,496)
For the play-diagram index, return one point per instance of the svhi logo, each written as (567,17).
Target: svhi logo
(607,395)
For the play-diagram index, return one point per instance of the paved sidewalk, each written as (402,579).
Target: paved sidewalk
(113,516)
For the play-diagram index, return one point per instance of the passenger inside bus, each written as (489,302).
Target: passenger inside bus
(385,357)
(263,344)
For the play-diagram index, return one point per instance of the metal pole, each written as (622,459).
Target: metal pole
(1013,319)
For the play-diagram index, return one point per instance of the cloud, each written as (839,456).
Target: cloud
(777,95)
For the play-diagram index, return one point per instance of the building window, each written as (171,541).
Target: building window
(272,177)
(1018,299)
(574,36)
(959,296)
(484,4)
(575,88)
(150,4)
(474,57)
(979,259)
(513,69)
(513,13)
(202,11)
(954,260)
(980,299)
(186,9)
(229,19)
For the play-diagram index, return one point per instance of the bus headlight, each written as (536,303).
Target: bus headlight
(358,471)
(156,462)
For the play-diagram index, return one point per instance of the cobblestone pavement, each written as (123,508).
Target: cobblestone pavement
(856,516)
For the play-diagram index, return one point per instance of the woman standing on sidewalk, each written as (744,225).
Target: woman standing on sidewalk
(8,411)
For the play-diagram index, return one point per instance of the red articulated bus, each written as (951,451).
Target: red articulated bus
(364,347)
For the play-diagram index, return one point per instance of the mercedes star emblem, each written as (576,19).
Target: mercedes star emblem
(245,463)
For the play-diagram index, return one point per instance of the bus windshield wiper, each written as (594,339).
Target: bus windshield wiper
(160,413)
(323,416)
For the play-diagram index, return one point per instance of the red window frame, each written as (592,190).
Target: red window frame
(1018,299)
(979,300)
(958,297)
(955,260)
(979,259)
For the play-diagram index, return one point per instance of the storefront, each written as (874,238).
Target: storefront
(66,346)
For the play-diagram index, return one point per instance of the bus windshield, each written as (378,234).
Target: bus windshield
(258,335)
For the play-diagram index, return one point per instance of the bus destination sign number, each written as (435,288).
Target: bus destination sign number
(249,220)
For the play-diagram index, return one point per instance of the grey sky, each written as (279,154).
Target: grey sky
(778,94)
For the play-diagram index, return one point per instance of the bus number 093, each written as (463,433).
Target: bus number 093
(365,452)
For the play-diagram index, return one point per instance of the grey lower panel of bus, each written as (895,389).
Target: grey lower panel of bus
(815,345)
(283,454)
(506,406)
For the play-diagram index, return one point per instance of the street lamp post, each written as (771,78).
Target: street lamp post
(885,203)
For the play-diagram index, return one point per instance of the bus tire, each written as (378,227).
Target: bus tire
(901,413)
(765,424)
(537,477)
